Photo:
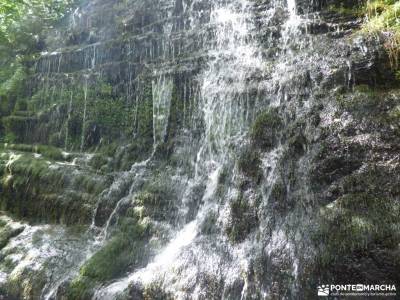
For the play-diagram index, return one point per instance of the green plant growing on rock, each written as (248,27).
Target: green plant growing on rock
(154,291)
(347,9)
(243,219)
(265,130)
(49,152)
(249,163)
(356,223)
(8,232)
(123,251)
(120,252)
(33,188)
(156,199)
(384,16)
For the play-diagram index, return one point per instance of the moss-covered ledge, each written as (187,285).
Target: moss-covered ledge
(37,188)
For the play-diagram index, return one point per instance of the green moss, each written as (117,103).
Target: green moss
(124,250)
(243,219)
(347,8)
(264,132)
(136,151)
(26,284)
(144,121)
(18,127)
(81,288)
(111,261)
(175,123)
(278,197)
(154,291)
(249,163)
(223,176)
(60,106)
(156,199)
(357,222)
(363,98)
(296,141)
(383,16)
(35,189)
(49,152)
(7,233)
(209,224)
(98,161)
(20,106)
(14,84)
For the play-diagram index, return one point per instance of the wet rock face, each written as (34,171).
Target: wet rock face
(240,149)
(360,188)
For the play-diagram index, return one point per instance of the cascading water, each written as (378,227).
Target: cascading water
(227,112)
(162,94)
(200,118)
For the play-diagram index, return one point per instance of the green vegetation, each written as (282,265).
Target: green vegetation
(264,132)
(129,237)
(209,224)
(249,163)
(8,232)
(25,18)
(155,291)
(278,197)
(346,9)
(49,152)
(243,219)
(123,251)
(81,288)
(384,16)
(23,24)
(156,200)
(91,115)
(357,222)
(360,228)
(36,189)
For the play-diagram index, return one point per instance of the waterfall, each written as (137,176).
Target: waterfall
(224,108)
(68,120)
(162,94)
(292,9)
(195,78)
(85,92)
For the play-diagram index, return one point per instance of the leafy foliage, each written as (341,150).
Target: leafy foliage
(28,18)
(384,16)
(23,24)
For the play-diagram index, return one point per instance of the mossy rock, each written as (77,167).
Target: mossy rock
(36,189)
(243,219)
(209,224)
(265,130)
(123,251)
(27,284)
(249,164)
(49,152)
(278,197)
(352,232)
(80,288)
(8,232)
(154,291)
(157,201)
(98,161)
(126,156)
(18,127)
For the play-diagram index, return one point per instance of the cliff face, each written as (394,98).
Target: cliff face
(195,149)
